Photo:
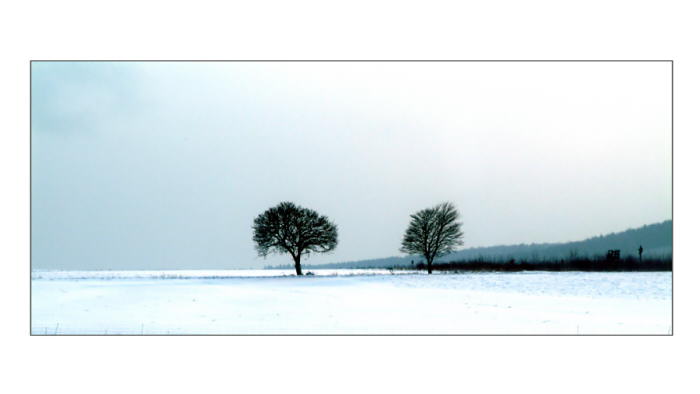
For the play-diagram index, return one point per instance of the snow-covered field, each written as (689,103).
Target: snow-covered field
(349,302)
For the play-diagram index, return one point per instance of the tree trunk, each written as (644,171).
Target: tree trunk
(297,264)
(430,266)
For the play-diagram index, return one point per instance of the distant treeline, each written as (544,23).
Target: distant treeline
(657,240)
(598,263)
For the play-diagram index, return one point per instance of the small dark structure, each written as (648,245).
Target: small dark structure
(641,249)
(613,255)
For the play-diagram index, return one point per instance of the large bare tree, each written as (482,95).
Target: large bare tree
(433,232)
(288,228)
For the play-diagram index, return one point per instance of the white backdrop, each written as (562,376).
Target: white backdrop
(353,30)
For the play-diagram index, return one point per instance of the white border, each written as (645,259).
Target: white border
(325,30)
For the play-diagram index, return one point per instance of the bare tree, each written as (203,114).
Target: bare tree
(433,232)
(288,228)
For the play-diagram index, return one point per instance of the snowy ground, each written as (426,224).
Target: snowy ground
(349,302)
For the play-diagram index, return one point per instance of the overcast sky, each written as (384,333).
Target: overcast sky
(165,165)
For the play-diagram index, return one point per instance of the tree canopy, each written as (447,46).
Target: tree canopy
(288,228)
(433,232)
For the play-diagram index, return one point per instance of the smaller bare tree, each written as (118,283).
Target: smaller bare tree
(433,232)
(288,228)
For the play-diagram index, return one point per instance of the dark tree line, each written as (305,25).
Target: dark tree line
(594,264)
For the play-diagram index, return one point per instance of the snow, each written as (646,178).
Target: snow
(349,302)
(205,274)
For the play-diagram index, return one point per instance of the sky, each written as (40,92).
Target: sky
(165,165)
